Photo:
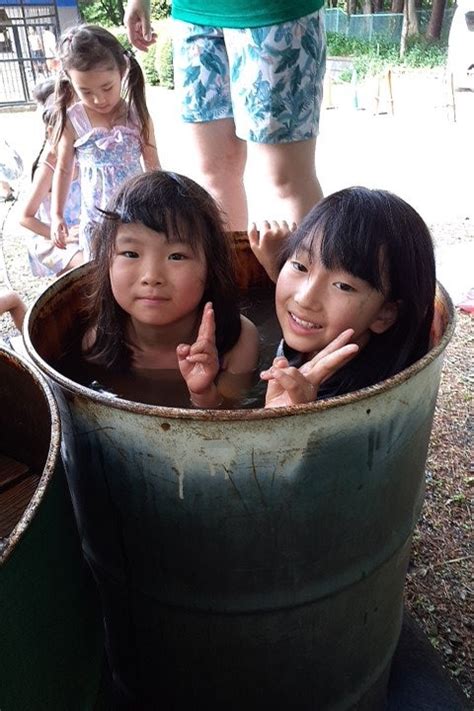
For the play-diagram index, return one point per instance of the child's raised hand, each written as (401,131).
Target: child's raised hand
(266,243)
(199,363)
(292,386)
(59,232)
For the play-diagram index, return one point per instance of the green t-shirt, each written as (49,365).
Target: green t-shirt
(242,13)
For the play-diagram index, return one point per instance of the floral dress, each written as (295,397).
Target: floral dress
(106,158)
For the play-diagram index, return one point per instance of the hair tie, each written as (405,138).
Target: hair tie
(129,53)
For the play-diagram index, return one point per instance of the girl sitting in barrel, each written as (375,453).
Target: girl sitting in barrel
(354,296)
(162,293)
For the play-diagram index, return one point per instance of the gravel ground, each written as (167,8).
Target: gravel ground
(419,157)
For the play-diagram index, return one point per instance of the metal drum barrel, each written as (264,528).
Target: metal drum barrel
(51,637)
(247,558)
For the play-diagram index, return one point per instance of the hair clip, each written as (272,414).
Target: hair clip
(129,53)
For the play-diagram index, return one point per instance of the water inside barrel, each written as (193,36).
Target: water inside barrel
(17,485)
(166,387)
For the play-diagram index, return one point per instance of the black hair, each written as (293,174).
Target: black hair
(377,236)
(181,209)
(86,47)
(47,117)
(43,90)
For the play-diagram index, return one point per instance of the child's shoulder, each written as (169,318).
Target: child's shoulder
(79,119)
(243,356)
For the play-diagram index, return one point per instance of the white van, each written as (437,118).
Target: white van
(461,46)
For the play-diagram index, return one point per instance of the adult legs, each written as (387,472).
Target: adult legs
(288,172)
(219,161)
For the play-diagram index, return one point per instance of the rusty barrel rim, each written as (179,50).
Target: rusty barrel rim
(31,371)
(225,415)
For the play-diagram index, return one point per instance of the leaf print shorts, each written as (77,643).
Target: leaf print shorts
(268,79)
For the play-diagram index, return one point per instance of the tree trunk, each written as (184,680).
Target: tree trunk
(351,7)
(397,5)
(410,25)
(366,7)
(378,5)
(435,24)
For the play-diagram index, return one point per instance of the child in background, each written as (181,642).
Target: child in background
(354,295)
(102,122)
(46,259)
(11,301)
(162,293)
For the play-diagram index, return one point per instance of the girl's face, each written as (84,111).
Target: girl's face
(314,304)
(156,281)
(99,90)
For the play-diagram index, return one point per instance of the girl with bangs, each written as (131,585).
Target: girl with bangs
(354,296)
(162,293)
(101,121)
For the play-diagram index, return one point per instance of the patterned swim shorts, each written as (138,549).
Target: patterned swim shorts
(268,79)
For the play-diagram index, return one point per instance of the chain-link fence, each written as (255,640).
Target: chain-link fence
(380,25)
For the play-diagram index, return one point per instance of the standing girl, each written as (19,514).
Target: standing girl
(46,259)
(162,294)
(354,297)
(102,121)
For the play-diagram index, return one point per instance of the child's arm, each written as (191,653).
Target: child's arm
(293,386)
(11,301)
(267,242)
(199,363)
(149,150)
(40,188)
(61,183)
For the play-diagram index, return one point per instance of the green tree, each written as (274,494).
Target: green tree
(108,13)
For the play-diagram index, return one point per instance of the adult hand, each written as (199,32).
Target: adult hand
(266,243)
(137,24)
(293,386)
(199,363)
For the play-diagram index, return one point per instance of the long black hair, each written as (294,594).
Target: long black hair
(88,47)
(181,209)
(378,237)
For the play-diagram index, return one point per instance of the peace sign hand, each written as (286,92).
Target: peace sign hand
(293,386)
(199,363)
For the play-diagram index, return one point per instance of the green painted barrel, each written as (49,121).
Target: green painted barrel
(246,559)
(51,636)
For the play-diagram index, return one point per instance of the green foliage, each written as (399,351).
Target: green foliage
(148,62)
(164,55)
(109,13)
(159,9)
(370,58)
(421,53)
(122,37)
(101,12)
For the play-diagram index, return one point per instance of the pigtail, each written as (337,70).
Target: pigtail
(135,94)
(63,98)
(36,161)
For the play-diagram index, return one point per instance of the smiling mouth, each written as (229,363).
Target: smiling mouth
(307,325)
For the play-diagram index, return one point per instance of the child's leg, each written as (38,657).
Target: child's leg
(11,301)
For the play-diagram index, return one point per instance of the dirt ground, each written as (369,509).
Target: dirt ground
(418,152)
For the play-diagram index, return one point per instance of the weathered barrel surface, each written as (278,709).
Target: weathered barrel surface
(50,625)
(252,558)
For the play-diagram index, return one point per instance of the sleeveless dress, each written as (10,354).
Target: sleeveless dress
(106,158)
(44,257)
